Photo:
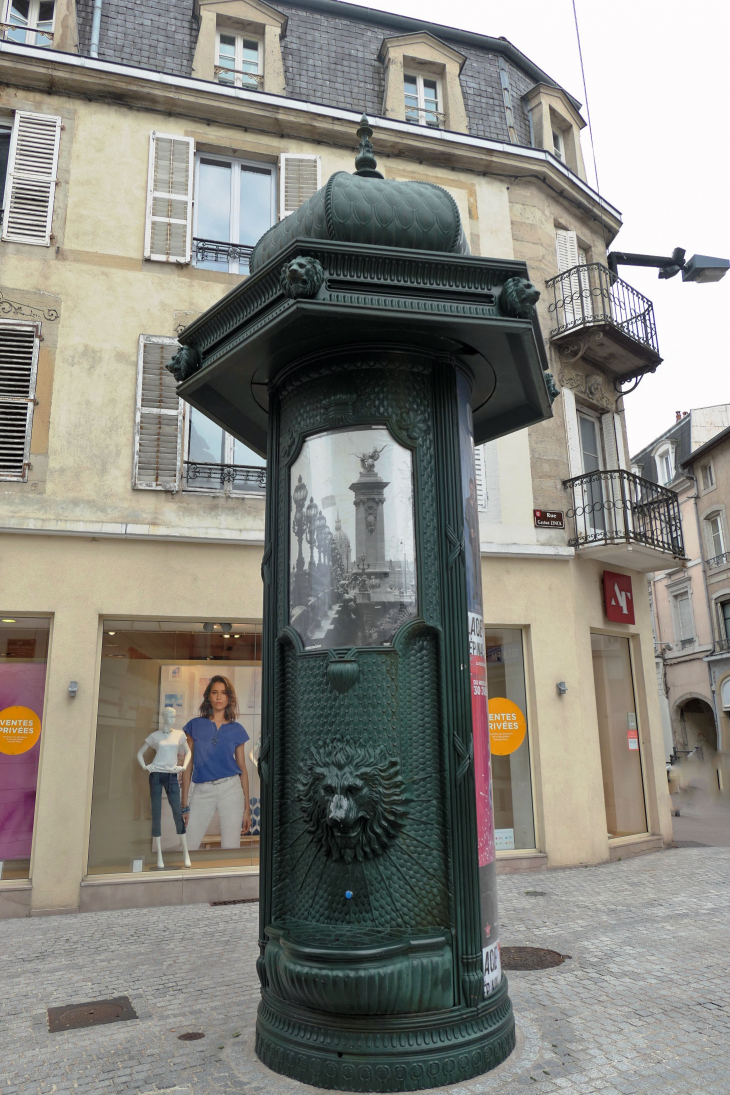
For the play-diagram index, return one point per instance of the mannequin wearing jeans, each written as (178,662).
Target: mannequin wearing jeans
(168,744)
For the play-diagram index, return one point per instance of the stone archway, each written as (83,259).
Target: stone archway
(697,727)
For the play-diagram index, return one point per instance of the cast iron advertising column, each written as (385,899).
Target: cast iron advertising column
(366,355)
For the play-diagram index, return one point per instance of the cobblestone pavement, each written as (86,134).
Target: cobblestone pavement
(643,1005)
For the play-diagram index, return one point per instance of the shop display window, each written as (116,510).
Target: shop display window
(23,657)
(352,550)
(618,736)
(514,826)
(154,678)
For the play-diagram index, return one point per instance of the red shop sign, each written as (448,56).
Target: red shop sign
(618,597)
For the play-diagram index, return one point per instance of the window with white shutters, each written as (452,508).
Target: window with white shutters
(684,623)
(18,368)
(168,223)
(299,179)
(158,423)
(576,290)
(30,184)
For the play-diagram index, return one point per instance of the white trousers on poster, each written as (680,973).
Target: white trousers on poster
(227,797)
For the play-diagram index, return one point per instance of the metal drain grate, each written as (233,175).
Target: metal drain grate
(92,1014)
(530,958)
(236,901)
(190,1036)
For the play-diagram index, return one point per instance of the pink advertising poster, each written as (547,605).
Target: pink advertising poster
(22,687)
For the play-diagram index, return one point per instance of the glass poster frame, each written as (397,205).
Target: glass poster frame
(352,539)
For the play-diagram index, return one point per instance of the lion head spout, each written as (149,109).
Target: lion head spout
(518,298)
(353,800)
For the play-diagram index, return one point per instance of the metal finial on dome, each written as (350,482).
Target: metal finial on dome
(365,161)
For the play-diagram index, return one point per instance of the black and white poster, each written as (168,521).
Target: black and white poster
(352,576)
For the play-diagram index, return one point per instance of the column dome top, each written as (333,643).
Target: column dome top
(365,208)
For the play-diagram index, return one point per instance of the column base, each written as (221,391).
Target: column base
(384,1053)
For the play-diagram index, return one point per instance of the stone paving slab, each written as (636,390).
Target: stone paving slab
(642,1006)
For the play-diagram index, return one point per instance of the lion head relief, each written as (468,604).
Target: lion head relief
(353,800)
(301,277)
(518,298)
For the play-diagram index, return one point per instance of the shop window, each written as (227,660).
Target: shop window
(618,736)
(235,205)
(239,61)
(28,22)
(422,100)
(514,826)
(23,657)
(153,675)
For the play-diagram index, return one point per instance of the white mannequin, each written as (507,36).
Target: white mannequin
(168,718)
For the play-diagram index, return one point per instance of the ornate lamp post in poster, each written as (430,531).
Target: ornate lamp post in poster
(383,347)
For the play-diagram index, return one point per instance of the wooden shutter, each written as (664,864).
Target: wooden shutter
(159,417)
(18,368)
(299,178)
(30,186)
(480,477)
(572,434)
(168,222)
(610,447)
(566,245)
(684,616)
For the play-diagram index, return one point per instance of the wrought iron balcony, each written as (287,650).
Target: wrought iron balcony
(218,251)
(617,512)
(722,646)
(603,319)
(719,561)
(205,476)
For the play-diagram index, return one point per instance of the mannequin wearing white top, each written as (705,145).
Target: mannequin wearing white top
(168,744)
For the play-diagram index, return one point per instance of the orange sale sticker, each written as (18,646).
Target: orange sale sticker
(507,726)
(20,729)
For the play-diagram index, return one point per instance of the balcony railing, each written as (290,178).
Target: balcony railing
(718,561)
(613,507)
(722,646)
(218,251)
(215,476)
(591,296)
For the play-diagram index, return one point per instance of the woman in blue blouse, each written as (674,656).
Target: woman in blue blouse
(218,745)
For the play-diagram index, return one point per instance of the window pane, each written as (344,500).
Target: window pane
(623,783)
(430,101)
(205,442)
(227,58)
(250,64)
(255,214)
(589,443)
(410,87)
(511,782)
(146,667)
(716,530)
(45,22)
(4,150)
(726,618)
(246,457)
(18,17)
(23,654)
(214,208)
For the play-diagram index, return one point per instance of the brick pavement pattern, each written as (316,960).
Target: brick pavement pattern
(643,1005)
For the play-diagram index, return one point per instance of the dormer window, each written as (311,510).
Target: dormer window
(422,100)
(29,22)
(559,145)
(239,60)
(665,465)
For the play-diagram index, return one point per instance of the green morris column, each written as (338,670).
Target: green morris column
(365,351)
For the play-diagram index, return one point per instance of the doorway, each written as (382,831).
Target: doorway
(618,736)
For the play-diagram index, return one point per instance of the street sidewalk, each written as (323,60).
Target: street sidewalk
(643,1004)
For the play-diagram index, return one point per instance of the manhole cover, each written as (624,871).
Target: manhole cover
(530,958)
(190,1036)
(92,1014)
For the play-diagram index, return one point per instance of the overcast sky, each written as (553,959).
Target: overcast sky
(657,91)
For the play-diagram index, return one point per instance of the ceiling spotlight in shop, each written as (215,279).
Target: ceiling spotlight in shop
(211,627)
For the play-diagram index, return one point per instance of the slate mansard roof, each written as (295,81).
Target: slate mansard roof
(330,55)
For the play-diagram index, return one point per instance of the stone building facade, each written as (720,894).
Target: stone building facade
(146,154)
(691,603)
